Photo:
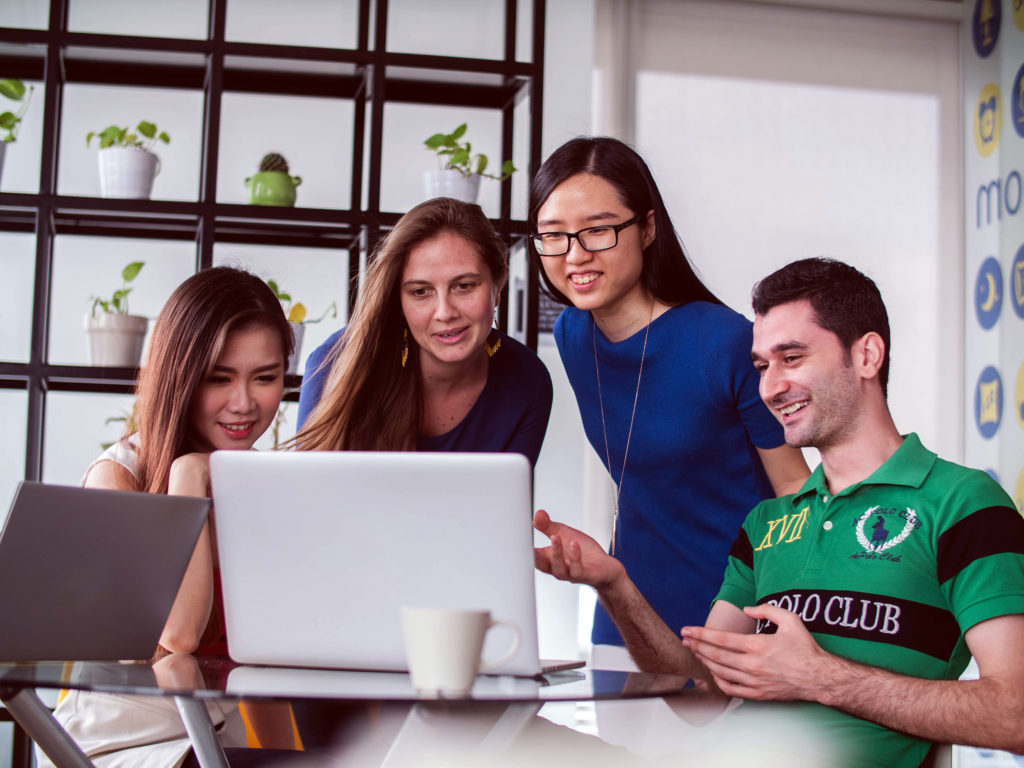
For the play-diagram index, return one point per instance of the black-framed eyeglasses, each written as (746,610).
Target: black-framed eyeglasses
(599,238)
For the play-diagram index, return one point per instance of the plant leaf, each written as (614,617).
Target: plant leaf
(164,137)
(8,120)
(147,129)
(130,272)
(481,163)
(297,313)
(458,132)
(507,168)
(461,157)
(13,89)
(274,288)
(435,141)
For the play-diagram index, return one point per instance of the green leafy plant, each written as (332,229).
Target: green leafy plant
(118,303)
(127,418)
(296,311)
(144,136)
(14,90)
(458,155)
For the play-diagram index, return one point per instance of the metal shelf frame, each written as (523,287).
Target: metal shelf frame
(368,75)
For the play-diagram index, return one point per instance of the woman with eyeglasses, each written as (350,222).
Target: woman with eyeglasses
(662,375)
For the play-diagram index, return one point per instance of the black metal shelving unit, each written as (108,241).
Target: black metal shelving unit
(369,75)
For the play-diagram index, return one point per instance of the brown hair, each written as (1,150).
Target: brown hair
(370,402)
(188,338)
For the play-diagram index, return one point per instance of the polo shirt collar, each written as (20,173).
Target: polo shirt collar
(908,466)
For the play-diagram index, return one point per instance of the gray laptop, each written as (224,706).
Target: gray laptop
(91,574)
(319,550)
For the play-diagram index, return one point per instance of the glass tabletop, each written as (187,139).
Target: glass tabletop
(218,677)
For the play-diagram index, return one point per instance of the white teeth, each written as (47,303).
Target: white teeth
(793,408)
(237,427)
(583,279)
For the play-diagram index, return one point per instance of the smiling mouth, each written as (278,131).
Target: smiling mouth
(583,279)
(238,430)
(792,408)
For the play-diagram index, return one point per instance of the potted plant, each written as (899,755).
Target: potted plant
(115,337)
(10,122)
(297,317)
(128,163)
(460,171)
(272,185)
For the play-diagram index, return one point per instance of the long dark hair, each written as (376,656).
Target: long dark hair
(667,272)
(370,402)
(188,338)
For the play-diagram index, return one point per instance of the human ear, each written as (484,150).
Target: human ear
(869,354)
(649,229)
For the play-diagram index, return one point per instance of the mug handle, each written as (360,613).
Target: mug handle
(490,665)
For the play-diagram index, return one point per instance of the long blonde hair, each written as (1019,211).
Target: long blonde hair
(370,402)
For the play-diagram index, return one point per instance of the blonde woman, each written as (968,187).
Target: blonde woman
(420,366)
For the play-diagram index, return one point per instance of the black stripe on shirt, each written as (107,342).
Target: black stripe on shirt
(865,616)
(988,531)
(742,550)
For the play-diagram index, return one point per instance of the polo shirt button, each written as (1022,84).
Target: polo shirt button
(825,499)
(827,525)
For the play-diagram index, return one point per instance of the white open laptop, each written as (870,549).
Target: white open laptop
(319,550)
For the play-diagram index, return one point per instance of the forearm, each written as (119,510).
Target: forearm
(988,712)
(191,609)
(653,646)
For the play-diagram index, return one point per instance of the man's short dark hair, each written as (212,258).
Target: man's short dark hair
(845,302)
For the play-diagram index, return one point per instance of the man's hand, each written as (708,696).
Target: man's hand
(783,666)
(574,556)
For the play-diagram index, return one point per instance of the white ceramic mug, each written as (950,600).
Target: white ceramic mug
(443,648)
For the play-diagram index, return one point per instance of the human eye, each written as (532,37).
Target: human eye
(268,378)
(419,293)
(465,286)
(792,358)
(217,378)
(760,366)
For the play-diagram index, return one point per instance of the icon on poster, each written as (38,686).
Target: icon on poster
(988,402)
(1017,283)
(988,121)
(988,292)
(1017,102)
(985,22)
(1018,14)
(1018,396)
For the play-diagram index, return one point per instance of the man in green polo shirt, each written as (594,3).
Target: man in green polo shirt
(868,590)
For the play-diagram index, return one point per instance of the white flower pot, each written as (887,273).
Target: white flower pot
(127,172)
(115,340)
(298,331)
(451,183)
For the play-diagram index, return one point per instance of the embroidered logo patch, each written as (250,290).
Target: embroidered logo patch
(876,531)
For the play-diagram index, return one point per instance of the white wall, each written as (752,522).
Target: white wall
(779,133)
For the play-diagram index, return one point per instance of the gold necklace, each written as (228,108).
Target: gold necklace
(629,433)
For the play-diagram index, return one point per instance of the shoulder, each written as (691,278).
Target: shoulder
(109,472)
(515,361)
(967,488)
(571,323)
(329,343)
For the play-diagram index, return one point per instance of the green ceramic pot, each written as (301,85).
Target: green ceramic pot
(272,188)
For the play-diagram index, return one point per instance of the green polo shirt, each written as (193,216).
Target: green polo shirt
(889,572)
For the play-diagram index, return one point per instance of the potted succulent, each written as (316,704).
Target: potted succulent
(115,337)
(295,311)
(13,90)
(271,184)
(460,171)
(128,163)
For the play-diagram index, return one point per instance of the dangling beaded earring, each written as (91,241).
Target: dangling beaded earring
(492,347)
(405,346)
